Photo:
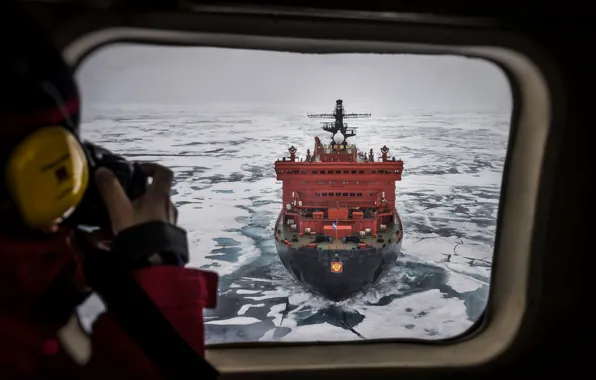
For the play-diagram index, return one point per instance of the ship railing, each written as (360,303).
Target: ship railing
(331,220)
(350,205)
(310,218)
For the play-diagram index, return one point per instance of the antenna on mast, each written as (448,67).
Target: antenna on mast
(338,125)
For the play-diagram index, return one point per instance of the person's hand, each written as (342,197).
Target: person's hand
(154,205)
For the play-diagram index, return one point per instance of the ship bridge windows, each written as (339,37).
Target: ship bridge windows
(342,171)
(383,171)
(339,194)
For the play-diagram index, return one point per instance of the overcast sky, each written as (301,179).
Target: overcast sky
(190,75)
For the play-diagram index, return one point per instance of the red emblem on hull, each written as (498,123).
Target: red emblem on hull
(336,267)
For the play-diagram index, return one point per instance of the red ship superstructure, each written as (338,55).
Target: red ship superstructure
(339,231)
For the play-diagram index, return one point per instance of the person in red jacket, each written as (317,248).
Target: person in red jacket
(153,324)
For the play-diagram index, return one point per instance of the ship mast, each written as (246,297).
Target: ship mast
(338,126)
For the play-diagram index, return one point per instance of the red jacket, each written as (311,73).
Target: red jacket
(33,346)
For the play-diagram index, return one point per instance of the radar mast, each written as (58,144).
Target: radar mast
(338,126)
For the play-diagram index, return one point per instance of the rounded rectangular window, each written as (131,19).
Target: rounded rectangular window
(223,120)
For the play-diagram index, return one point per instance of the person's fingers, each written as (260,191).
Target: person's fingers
(115,199)
(99,239)
(172,213)
(162,180)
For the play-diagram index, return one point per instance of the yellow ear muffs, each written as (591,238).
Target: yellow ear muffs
(47,175)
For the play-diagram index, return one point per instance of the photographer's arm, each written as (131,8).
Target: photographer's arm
(139,294)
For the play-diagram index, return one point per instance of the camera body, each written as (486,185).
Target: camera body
(92,212)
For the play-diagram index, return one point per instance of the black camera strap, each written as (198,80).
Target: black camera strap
(137,314)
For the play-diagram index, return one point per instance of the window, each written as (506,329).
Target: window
(229,203)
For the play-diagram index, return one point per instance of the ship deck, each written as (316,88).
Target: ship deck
(286,233)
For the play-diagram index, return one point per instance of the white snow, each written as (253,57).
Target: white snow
(234,321)
(245,308)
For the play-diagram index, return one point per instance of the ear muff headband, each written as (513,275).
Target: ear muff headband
(47,175)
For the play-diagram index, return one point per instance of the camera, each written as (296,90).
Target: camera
(92,212)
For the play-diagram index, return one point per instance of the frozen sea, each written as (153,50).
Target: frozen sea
(228,199)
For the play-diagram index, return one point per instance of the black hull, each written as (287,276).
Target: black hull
(361,268)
